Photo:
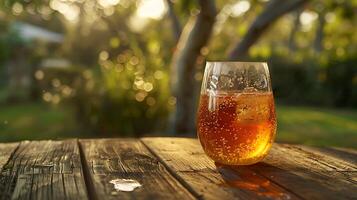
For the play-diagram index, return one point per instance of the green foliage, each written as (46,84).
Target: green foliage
(307,82)
(187,5)
(121,96)
(341,81)
(125,97)
(9,41)
(7,4)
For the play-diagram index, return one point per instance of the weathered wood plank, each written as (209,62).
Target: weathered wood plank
(348,157)
(305,173)
(44,170)
(323,156)
(317,177)
(187,160)
(348,150)
(6,150)
(110,159)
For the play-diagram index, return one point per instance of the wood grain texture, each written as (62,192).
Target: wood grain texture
(170,168)
(109,159)
(349,156)
(307,173)
(44,170)
(208,180)
(291,171)
(6,150)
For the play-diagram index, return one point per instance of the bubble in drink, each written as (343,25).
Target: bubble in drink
(236,129)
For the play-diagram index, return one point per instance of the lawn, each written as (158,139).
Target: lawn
(305,125)
(317,126)
(33,121)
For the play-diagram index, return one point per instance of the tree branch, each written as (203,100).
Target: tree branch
(273,10)
(294,30)
(318,46)
(194,36)
(175,23)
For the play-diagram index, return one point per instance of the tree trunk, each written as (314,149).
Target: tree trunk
(175,23)
(294,30)
(194,36)
(273,10)
(319,33)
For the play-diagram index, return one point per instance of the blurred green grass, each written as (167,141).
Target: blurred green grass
(35,121)
(303,125)
(317,126)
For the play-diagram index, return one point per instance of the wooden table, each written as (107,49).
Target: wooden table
(170,168)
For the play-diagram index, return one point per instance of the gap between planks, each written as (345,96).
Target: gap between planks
(86,173)
(172,172)
(91,149)
(90,190)
(38,168)
(270,167)
(192,190)
(4,160)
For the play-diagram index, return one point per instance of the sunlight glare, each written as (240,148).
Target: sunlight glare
(146,9)
(69,11)
(240,8)
(137,24)
(306,19)
(154,9)
(108,3)
(17,8)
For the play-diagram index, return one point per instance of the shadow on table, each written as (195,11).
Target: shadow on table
(243,177)
(272,182)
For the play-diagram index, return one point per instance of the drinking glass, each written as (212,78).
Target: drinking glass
(236,121)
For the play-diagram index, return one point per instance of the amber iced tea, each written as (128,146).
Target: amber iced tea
(236,128)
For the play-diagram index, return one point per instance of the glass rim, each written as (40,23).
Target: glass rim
(237,62)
